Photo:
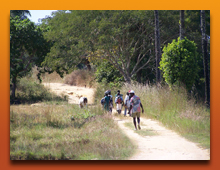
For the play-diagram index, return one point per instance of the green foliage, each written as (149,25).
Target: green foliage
(179,63)
(120,37)
(20,13)
(64,31)
(27,48)
(106,72)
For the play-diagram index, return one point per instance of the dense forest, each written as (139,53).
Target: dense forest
(150,47)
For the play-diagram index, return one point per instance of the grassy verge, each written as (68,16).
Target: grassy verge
(65,132)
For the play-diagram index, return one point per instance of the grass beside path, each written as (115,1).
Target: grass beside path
(65,132)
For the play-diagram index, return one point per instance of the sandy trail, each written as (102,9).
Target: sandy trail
(73,92)
(166,145)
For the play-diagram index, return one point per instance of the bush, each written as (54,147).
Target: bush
(179,63)
(28,91)
(80,78)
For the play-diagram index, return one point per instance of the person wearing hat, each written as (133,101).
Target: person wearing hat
(135,107)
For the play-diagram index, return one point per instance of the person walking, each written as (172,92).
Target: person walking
(127,103)
(103,101)
(107,102)
(135,107)
(119,102)
(111,101)
(118,93)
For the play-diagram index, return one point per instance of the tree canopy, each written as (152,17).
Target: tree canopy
(124,38)
(120,43)
(27,48)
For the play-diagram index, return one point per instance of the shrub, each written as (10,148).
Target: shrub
(80,78)
(179,63)
(28,91)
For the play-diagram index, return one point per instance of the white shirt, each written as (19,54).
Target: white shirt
(127,101)
(81,101)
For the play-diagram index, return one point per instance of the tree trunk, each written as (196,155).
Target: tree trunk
(205,59)
(127,78)
(13,87)
(157,46)
(182,31)
(139,74)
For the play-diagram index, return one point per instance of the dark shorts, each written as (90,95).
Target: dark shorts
(136,114)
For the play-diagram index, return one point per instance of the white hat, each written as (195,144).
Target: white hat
(131,91)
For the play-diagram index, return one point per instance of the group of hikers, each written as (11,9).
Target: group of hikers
(131,102)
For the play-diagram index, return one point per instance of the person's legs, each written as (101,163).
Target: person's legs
(138,120)
(119,108)
(125,112)
(110,109)
(134,121)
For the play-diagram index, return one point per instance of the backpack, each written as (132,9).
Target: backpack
(110,99)
(103,101)
(118,100)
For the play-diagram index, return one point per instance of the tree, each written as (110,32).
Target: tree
(182,27)
(157,46)
(27,48)
(21,13)
(179,63)
(205,58)
(68,50)
(124,38)
(105,72)
(193,33)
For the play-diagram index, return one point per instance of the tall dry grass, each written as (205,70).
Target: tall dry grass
(80,78)
(65,132)
(56,130)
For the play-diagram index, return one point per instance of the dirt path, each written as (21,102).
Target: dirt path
(73,92)
(166,145)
